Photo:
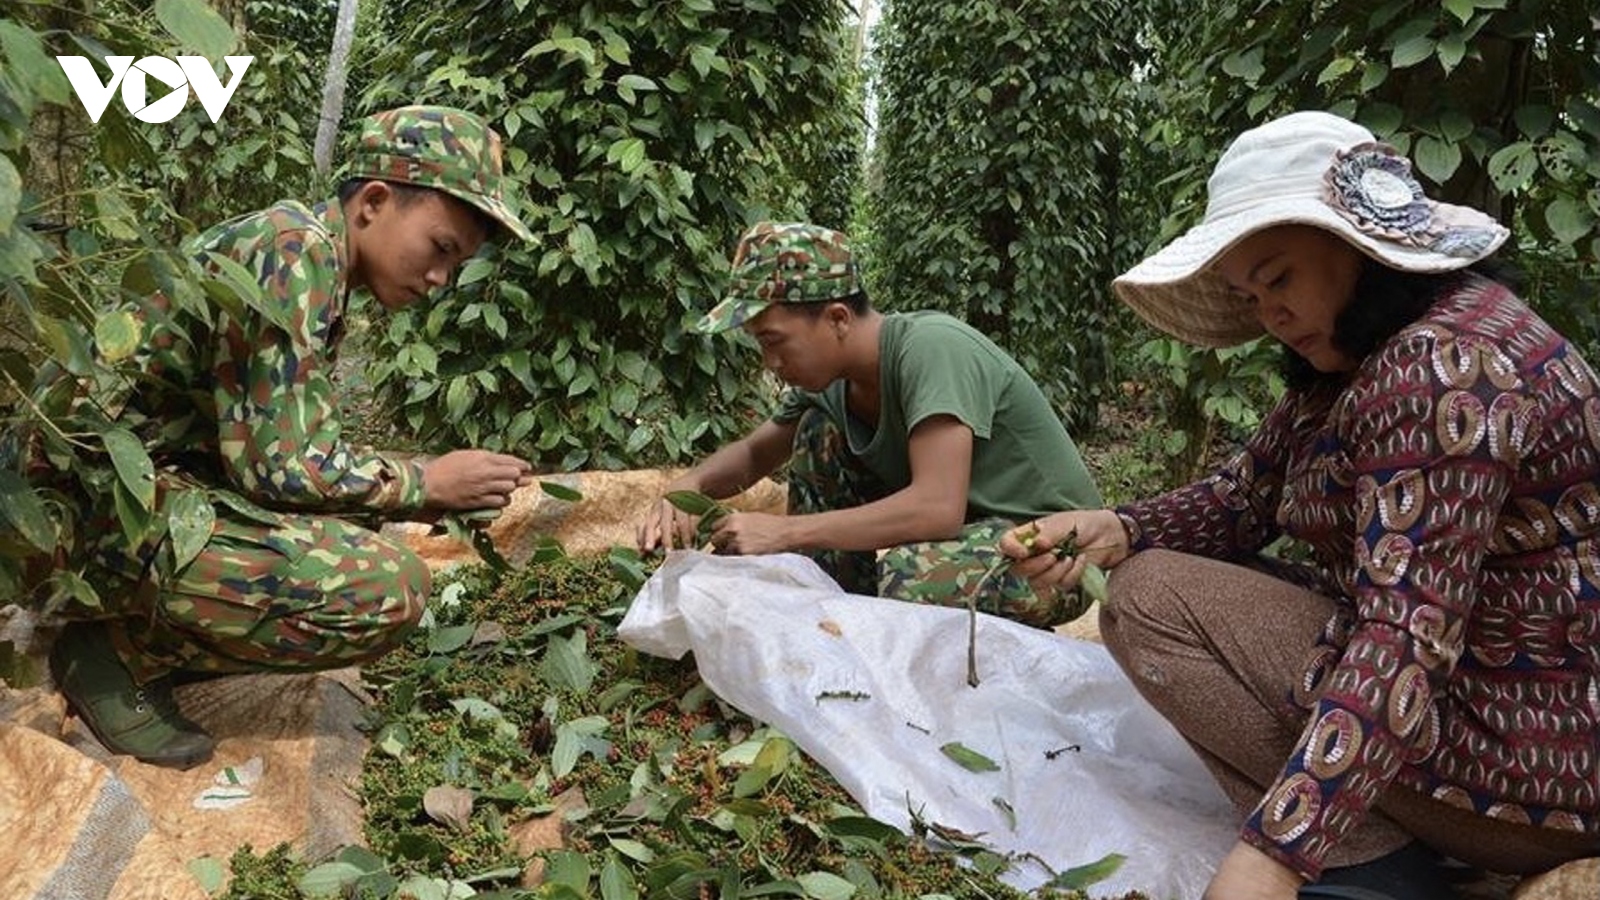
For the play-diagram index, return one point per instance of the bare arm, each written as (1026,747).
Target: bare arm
(932,507)
(727,472)
(742,463)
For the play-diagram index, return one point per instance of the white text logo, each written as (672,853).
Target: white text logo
(180,75)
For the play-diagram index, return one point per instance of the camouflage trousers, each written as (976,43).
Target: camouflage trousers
(824,475)
(269,592)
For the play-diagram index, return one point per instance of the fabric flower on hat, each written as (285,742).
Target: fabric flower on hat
(1372,186)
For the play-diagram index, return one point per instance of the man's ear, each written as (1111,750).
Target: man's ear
(838,315)
(368,202)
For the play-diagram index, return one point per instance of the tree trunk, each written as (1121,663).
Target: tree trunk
(863,11)
(333,85)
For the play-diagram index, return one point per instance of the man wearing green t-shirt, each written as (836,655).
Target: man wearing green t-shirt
(908,433)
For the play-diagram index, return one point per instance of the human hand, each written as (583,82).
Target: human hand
(751,533)
(473,479)
(1248,874)
(1055,551)
(666,527)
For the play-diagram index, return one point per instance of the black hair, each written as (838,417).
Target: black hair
(1383,301)
(406,194)
(856,302)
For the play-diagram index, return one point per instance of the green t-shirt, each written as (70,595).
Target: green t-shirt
(1024,464)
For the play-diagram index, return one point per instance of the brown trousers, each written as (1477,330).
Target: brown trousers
(1215,647)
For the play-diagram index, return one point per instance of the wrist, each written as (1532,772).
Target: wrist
(798,535)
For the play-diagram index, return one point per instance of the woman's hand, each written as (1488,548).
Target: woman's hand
(1093,536)
(1248,874)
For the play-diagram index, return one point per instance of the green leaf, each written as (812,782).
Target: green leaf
(197,26)
(1568,219)
(637,82)
(190,521)
(826,886)
(1079,877)
(117,335)
(477,709)
(451,638)
(476,269)
(117,218)
(1375,74)
(1586,114)
(1512,166)
(627,153)
(133,465)
(575,738)
(423,887)
(703,59)
(1461,9)
(638,439)
(692,502)
(1454,125)
(969,759)
(1452,49)
(10,194)
(210,872)
(567,663)
(1094,582)
(776,754)
(1534,120)
(634,850)
(1245,64)
(1437,159)
(20,506)
(19,250)
(29,63)
(751,781)
(616,882)
(1336,69)
(329,879)
(66,341)
(68,590)
(393,739)
(1412,51)
(561,491)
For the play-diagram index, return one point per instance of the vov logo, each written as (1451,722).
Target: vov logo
(181,75)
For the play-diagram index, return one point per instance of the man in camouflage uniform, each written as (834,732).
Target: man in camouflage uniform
(241,415)
(910,433)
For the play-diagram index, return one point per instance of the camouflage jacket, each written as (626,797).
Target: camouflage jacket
(249,403)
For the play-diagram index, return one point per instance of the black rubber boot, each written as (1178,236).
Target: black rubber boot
(1413,872)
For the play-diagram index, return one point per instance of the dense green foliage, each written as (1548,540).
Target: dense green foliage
(90,218)
(574,354)
(1498,103)
(645,140)
(1001,188)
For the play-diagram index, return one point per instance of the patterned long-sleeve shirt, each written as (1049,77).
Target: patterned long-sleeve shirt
(250,404)
(1449,490)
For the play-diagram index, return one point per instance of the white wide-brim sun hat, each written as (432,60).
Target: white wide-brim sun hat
(1308,168)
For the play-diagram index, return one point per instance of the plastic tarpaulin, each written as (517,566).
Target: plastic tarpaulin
(872,689)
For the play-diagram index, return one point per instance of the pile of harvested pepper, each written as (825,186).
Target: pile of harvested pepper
(516,702)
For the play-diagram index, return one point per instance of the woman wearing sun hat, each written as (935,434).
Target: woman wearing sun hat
(1427,686)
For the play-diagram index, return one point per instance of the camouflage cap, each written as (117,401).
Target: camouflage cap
(438,147)
(783,262)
